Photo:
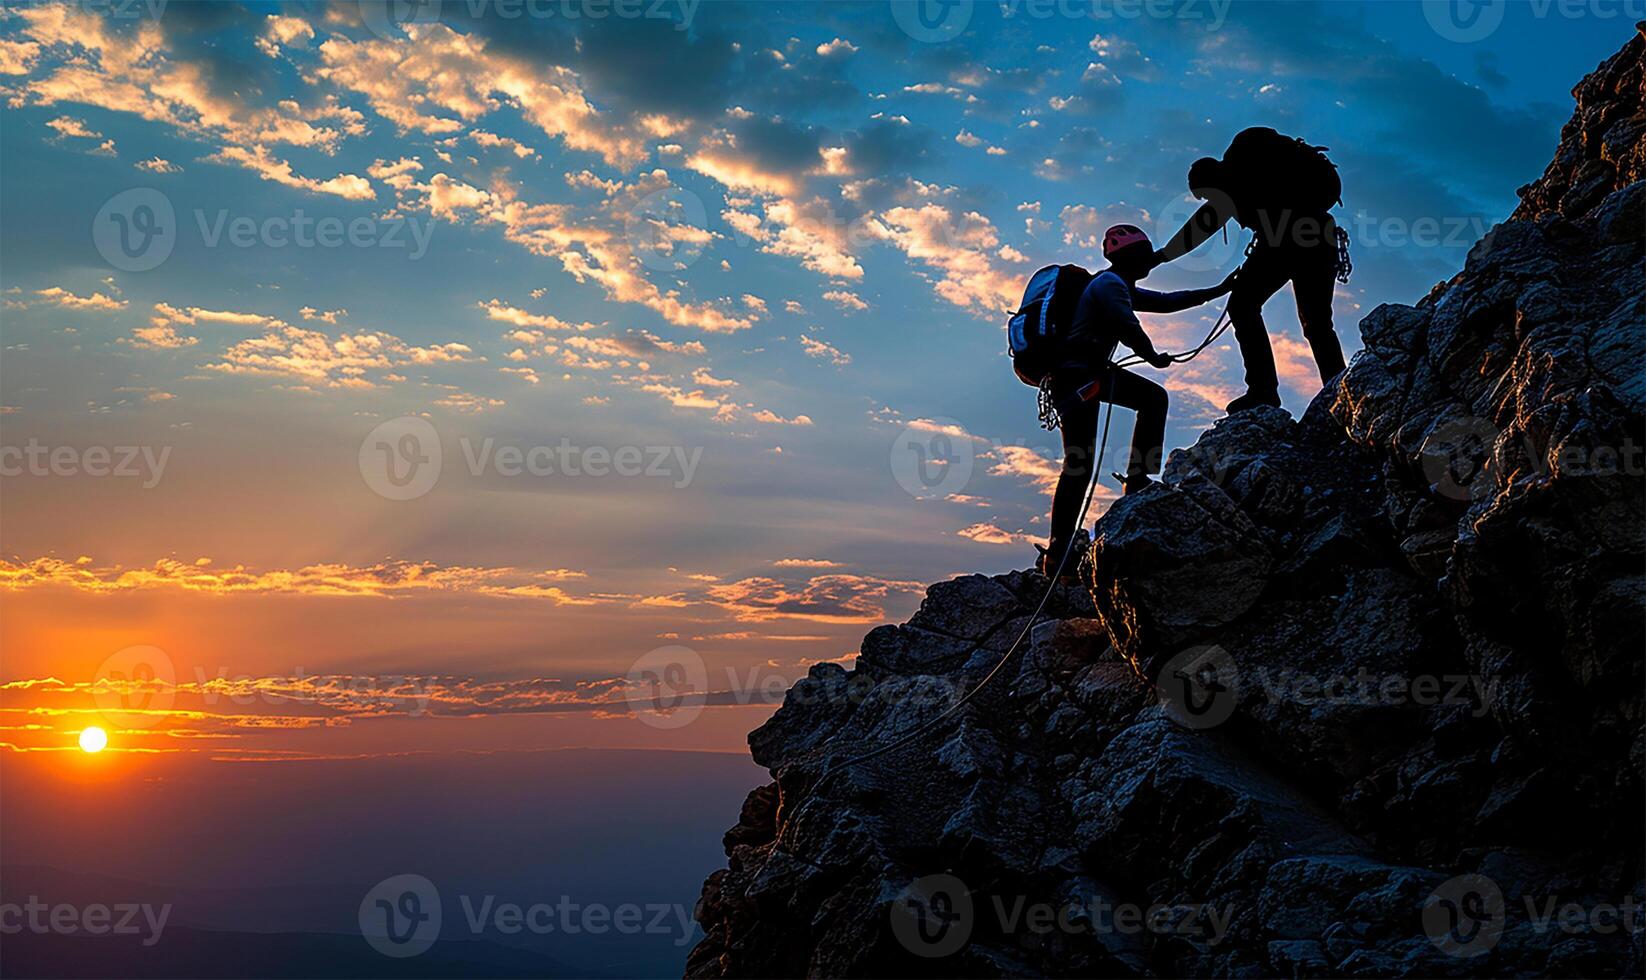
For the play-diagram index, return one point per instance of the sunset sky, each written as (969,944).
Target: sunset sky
(755,254)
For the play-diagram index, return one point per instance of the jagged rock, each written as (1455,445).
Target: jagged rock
(1322,682)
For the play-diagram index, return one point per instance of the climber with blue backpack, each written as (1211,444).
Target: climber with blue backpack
(1062,340)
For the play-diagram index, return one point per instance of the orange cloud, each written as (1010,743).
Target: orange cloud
(383,580)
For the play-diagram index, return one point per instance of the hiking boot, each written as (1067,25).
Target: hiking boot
(1252,399)
(1052,553)
(1047,558)
(1134,483)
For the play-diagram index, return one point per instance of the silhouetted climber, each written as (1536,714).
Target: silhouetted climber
(1283,190)
(1084,376)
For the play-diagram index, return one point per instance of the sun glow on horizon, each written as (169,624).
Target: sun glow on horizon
(93,739)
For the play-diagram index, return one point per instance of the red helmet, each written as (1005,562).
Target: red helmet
(1123,236)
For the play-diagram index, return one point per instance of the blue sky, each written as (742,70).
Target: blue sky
(776,236)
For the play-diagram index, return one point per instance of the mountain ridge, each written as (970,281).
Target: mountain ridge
(1355,694)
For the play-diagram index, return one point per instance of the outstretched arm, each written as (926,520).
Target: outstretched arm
(1203,224)
(1149,301)
(1110,300)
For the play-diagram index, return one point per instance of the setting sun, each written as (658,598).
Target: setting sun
(93,739)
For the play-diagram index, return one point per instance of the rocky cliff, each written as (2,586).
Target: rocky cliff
(1358,694)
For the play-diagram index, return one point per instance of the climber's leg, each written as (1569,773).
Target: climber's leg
(1260,278)
(1149,401)
(1314,280)
(1079,427)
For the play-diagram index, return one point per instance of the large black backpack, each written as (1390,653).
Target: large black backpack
(1034,334)
(1289,166)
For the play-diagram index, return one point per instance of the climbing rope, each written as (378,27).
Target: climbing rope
(1006,657)
(1049,420)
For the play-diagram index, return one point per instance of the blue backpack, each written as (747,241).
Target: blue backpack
(1035,332)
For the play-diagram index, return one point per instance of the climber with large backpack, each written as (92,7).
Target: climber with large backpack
(1062,340)
(1283,190)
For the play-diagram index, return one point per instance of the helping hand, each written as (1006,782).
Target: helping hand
(1158,359)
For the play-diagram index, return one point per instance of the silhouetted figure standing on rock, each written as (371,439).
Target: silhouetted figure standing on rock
(1281,189)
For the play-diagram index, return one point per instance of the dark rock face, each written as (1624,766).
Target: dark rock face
(1354,695)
